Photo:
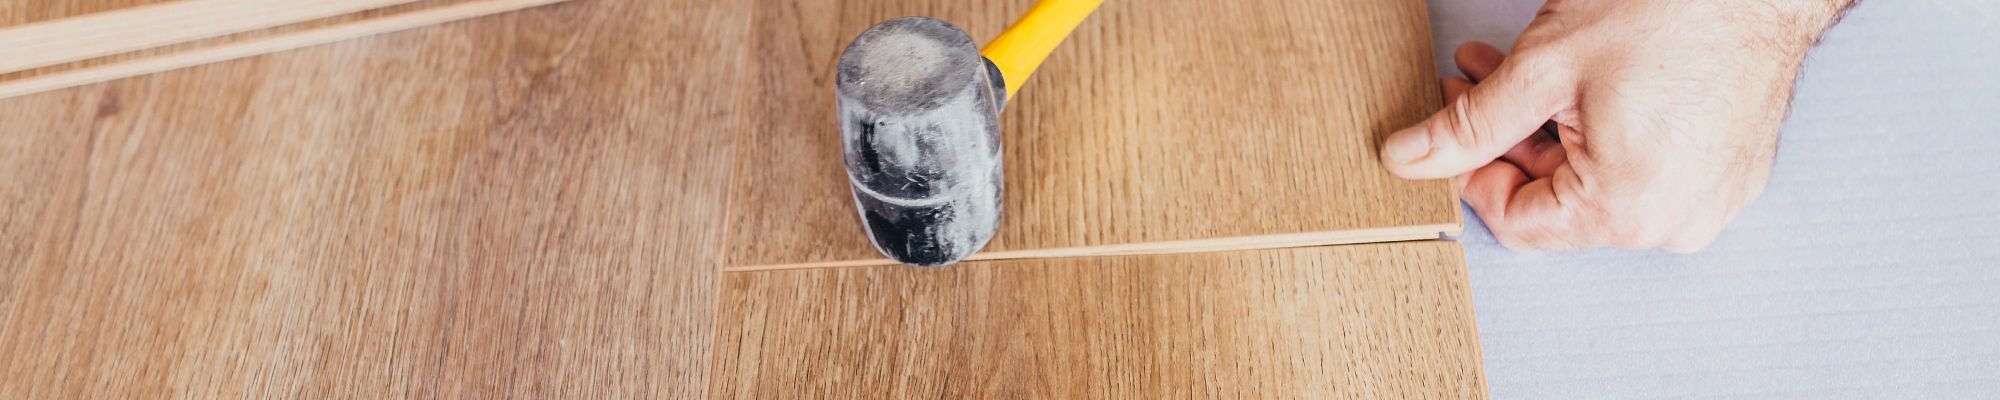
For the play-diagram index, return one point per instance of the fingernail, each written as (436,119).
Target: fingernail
(1409,145)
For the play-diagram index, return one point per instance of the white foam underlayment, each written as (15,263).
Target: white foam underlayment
(1870,268)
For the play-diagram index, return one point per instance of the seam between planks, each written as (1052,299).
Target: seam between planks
(1240,243)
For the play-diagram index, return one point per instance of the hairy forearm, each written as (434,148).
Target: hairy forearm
(1809,19)
(1782,27)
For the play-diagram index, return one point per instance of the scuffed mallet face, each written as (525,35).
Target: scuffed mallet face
(919,121)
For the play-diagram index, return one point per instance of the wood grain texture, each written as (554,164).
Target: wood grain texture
(23,12)
(1159,121)
(253,42)
(99,34)
(1379,321)
(527,205)
(128,66)
(41,193)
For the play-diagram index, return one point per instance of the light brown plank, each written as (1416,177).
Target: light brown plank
(1159,121)
(111,32)
(262,45)
(527,205)
(250,43)
(1379,321)
(22,12)
(41,185)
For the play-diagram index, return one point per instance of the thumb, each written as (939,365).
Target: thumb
(1481,125)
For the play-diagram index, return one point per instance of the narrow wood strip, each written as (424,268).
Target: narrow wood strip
(1260,242)
(331,34)
(101,34)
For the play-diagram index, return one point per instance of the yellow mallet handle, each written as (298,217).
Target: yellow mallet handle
(1020,49)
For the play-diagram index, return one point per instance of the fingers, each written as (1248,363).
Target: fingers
(1526,213)
(1539,156)
(1478,60)
(1517,198)
(1479,126)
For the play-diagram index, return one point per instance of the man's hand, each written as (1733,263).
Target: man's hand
(1665,117)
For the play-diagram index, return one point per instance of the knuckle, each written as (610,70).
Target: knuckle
(1589,203)
(1467,124)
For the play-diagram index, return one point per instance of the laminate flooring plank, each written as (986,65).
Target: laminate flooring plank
(22,12)
(526,205)
(41,183)
(262,45)
(106,33)
(265,33)
(1371,321)
(1159,121)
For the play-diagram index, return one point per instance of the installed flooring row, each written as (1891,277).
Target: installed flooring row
(544,203)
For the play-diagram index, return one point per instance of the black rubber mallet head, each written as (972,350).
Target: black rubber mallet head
(920,127)
(920,124)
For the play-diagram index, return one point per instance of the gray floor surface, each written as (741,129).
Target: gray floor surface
(1869,268)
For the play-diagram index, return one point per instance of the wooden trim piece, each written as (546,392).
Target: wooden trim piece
(414,19)
(89,36)
(1260,242)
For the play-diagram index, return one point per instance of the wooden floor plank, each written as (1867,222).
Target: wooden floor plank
(22,12)
(41,193)
(1361,321)
(1159,121)
(527,205)
(249,43)
(99,34)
